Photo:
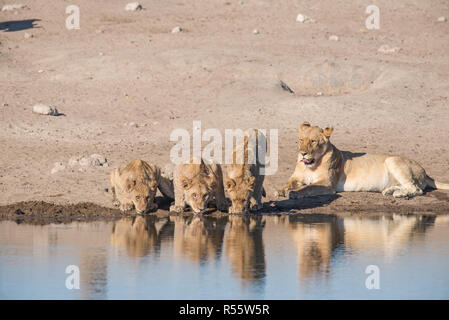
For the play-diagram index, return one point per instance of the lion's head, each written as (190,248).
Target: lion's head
(239,192)
(198,191)
(142,194)
(313,143)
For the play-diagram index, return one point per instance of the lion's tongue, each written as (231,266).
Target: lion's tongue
(306,161)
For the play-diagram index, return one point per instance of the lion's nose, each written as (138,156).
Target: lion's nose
(303,154)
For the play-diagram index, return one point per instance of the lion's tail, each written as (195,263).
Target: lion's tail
(436,184)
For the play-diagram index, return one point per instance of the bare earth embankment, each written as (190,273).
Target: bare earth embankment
(123,82)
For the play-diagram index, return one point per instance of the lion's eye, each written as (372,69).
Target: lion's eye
(313,141)
(137,198)
(205,196)
(194,195)
(147,198)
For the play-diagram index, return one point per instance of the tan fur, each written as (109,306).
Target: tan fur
(197,185)
(140,235)
(323,169)
(244,247)
(243,183)
(135,186)
(199,239)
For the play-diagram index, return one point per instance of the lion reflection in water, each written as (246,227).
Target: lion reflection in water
(244,247)
(317,237)
(139,235)
(199,238)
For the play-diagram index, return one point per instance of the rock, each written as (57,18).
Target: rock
(442,19)
(59,166)
(94,160)
(302,18)
(256,31)
(334,38)
(5,105)
(133,6)
(133,124)
(176,29)
(45,110)
(73,161)
(385,48)
(28,35)
(12,7)
(40,71)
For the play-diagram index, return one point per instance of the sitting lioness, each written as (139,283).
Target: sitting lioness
(243,183)
(135,186)
(196,185)
(323,169)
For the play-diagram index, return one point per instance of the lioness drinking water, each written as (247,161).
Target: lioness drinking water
(323,169)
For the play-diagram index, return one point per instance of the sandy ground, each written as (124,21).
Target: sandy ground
(123,67)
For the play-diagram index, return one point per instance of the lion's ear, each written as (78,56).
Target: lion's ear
(229,183)
(328,131)
(304,125)
(186,183)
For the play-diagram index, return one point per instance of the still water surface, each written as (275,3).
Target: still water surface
(252,257)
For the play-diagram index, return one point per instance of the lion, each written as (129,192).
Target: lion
(323,169)
(197,185)
(135,186)
(243,183)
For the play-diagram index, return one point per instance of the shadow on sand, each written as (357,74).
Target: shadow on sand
(18,25)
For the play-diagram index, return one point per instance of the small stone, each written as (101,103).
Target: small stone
(12,7)
(100,54)
(98,159)
(442,19)
(59,166)
(385,48)
(94,160)
(40,71)
(5,105)
(241,2)
(133,6)
(45,110)
(176,29)
(256,31)
(302,18)
(319,93)
(334,38)
(28,35)
(133,124)
(73,161)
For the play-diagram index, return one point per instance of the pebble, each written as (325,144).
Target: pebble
(133,6)
(59,166)
(334,38)
(176,29)
(94,160)
(302,18)
(442,19)
(45,110)
(256,31)
(385,48)
(12,7)
(28,35)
